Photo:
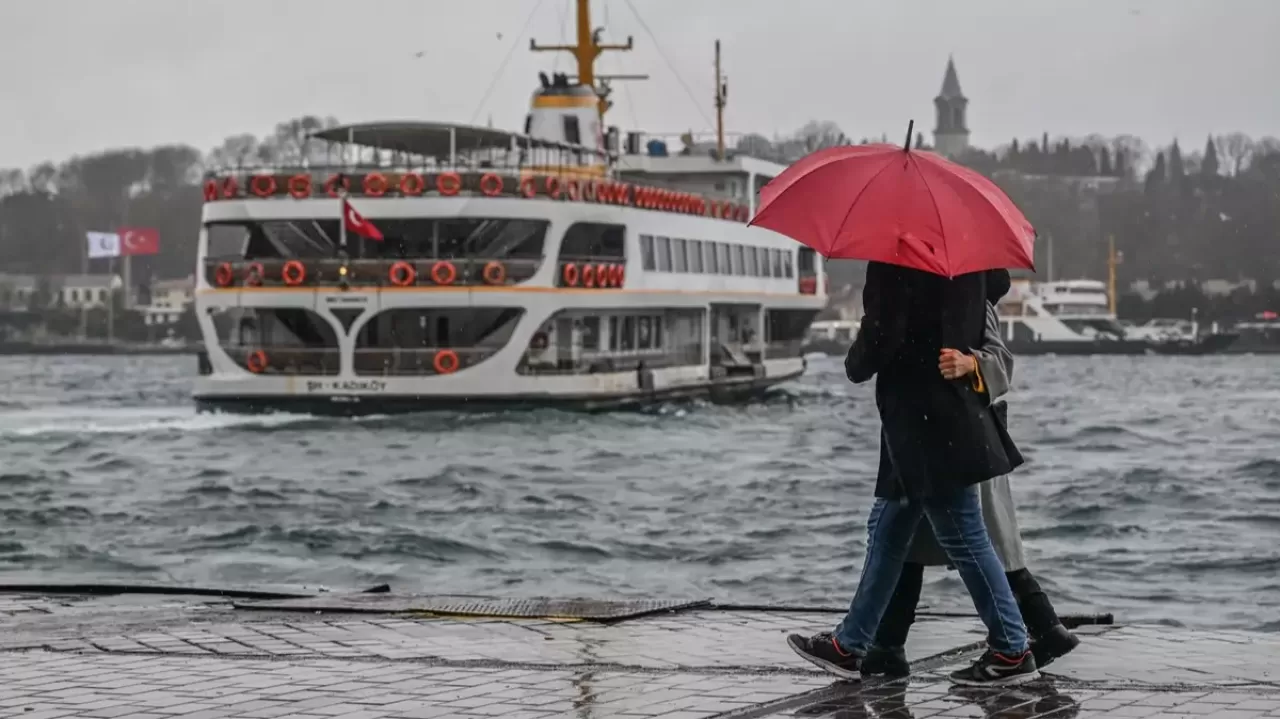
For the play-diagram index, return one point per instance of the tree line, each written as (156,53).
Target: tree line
(1178,217)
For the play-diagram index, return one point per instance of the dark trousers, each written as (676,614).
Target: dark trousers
(1037,611)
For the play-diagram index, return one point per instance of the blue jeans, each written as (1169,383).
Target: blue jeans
(957,522)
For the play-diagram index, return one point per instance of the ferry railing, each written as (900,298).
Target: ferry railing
(592,272)
(547,362)
(417,361)
(783,349)
(271,360)
(569,183)
(408,272)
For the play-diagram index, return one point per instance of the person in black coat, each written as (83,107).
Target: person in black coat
(990,370)
(943,440)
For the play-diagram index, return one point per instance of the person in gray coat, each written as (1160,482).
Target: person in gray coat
(990,369)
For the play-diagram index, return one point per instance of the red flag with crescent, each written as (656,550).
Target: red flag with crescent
(139,241)
(356,223)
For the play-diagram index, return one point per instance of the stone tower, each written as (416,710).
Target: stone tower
(951,135)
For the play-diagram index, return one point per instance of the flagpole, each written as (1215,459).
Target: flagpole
(84,312)
(342,218)
(111,300)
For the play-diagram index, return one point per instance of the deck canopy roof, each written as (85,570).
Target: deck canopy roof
(436,139)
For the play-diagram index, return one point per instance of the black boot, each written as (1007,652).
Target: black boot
(1049,639)
(888,655)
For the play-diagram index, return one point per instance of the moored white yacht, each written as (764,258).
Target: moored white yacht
(548,266)
(1075,317)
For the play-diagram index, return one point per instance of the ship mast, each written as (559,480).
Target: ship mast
(587,49)
(722,91)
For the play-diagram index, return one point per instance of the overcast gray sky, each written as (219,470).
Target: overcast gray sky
(85,75)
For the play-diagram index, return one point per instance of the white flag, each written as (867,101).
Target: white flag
(103,244)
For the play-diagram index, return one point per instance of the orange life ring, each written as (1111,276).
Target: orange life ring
(224,275)
(402,274)
(449,183)
(210,190)
(552,185)
(256,362)
(618,275)
(300,186)
(571,189)
(293,273)
(230,188)
(446,362)
(412,184)
(443,273)
(602,275)
(588,275)
(253,274)
(494,273)
(375,184)
(263,185)
(529,187)
(570,275)
(490,184)
(331,184)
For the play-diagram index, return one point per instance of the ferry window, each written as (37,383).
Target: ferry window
(644,332)
(678,255)
(613,333)
(664,254)
(709,257)
(695,256)
(591,240)
(786,263)
(572,134)
(647,257)
(474,237)
(762,257)
(776,261)
(807,262)
(657,332)
(590,333)
(628,339)
(437,327)
(722,258)
(277,238)
(753,265)
(739,261)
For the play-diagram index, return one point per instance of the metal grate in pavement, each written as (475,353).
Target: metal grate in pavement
(461,605)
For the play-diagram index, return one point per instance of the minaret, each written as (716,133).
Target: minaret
(951,135)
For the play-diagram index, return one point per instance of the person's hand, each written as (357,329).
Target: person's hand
(955,364)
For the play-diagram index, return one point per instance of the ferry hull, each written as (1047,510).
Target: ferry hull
(726,390)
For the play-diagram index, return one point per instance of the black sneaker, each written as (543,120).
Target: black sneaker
(994,669)
(887,661)
(822,651)
(1055,643)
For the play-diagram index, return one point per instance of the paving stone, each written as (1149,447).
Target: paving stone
(172,661)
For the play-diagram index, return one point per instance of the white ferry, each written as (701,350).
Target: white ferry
(548,266)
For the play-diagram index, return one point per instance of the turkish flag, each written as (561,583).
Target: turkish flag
(139,241)
(356,223)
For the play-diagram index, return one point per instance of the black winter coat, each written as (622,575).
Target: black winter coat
(939,436)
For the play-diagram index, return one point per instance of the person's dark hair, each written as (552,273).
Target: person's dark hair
(998,284)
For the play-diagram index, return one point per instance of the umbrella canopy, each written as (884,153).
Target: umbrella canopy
(904,207)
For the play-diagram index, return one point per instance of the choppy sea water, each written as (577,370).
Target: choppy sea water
(1152,489)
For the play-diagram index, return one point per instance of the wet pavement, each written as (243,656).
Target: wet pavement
(201,658)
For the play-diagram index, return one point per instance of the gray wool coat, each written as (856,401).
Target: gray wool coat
(995,365)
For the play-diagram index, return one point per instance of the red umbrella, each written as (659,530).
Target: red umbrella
(904,207)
